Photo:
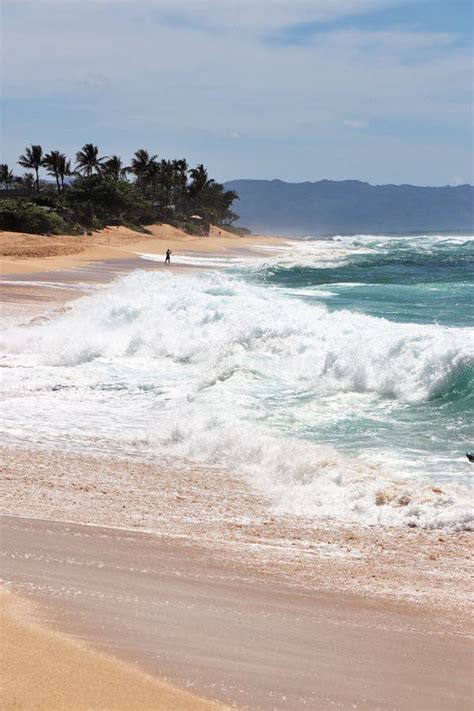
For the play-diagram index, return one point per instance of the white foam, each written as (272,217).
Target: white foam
(206,365)
(197,260)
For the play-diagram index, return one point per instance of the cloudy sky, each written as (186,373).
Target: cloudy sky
(379,90)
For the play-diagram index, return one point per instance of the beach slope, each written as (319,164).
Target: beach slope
(46,670)
(256,644)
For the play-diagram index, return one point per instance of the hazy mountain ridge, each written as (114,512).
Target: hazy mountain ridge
(351,206)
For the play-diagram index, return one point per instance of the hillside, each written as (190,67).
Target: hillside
(350,206)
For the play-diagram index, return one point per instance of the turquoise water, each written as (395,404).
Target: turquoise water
(414,279)
(410,279)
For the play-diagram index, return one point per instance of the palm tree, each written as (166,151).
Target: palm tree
(32,159)
(64,169)
(180,182)
(216,203)
(6,175)
(164,185)
(27,181)
(53,163)
(88,161)
(197,189)
(199,180)
(143,166)
(114,168)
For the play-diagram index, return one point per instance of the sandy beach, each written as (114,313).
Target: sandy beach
(37,665)
(180,613)
(154,564)
(25,253)
(41,273)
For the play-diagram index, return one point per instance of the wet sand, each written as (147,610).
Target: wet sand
(228,635)
(182,501)
(32,284)
(48,671)
(262,611)
(45,293)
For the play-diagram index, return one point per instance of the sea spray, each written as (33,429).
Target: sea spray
(298,398)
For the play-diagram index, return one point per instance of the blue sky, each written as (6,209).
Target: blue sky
(379,90)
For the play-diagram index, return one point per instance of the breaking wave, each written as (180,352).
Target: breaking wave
(213,367)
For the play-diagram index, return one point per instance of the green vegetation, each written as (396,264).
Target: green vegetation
(33,158)
(102,190)
(59,167)
(241,231)
(23,216)
(6,176)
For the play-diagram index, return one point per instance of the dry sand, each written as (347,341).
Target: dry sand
(46,670)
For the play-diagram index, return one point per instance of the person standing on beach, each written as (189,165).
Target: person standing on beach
(168,255)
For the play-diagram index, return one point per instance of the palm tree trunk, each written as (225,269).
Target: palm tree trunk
(37,181)
(90,213)
(57,183)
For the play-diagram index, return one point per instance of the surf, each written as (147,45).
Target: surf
(217,368)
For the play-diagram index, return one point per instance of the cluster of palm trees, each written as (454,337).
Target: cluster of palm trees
(6,176)
(170,186)
(58,166)
(55,164)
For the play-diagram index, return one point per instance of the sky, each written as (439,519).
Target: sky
(375,90)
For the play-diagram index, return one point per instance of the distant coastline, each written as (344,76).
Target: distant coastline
(329,207)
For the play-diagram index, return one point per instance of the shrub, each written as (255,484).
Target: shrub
(99,200)
(137,228)
(23,216)
(191,228)
(149,216)
(241,231)
(47,200)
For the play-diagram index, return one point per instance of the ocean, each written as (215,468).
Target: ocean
(336,375)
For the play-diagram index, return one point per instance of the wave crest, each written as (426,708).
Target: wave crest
(237,374)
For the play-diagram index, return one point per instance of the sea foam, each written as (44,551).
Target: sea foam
(238,375)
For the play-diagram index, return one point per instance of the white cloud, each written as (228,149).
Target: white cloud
(250,14)
(132,77)
(355,123)
(95,81)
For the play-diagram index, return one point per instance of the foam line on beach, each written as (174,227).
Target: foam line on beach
(196,260)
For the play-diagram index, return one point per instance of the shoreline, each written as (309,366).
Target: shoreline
(415,574)
(37,662)
(183,502)
(40,286)
(22,253)
(176,612)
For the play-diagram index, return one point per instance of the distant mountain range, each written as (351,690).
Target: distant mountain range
(350,206)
